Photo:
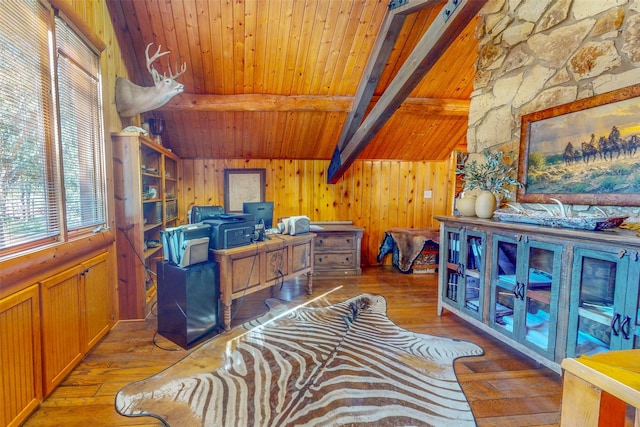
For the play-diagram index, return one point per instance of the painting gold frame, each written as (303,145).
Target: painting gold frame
(569,153)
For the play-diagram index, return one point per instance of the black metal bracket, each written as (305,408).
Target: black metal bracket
(448,10)
(397,3)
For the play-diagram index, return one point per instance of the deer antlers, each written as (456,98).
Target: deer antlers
(154,73)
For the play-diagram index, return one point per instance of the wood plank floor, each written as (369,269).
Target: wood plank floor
(503,387)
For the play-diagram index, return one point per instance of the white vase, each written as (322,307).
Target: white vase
(485,204)
(467,205)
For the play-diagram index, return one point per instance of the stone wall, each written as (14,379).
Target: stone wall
(535,54)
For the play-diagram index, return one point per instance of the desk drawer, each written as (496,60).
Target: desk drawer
(333,260)
(335,241)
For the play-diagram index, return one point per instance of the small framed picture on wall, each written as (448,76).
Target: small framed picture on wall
(243,185)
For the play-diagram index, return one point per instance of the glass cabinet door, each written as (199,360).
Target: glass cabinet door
(541,289)
(452,262)
(505,289)
(472,274)
(632,305)
(464,270)
(598,292)
(524,291)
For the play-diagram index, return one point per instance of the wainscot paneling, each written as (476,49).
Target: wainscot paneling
(374,194)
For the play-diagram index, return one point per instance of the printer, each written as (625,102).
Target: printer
(186,245)
(231,230)
(200,213)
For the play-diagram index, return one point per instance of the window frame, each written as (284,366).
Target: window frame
(54,162)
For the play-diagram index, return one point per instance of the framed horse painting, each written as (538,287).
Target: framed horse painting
(585,152)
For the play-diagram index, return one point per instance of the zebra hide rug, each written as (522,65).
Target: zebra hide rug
(344,364)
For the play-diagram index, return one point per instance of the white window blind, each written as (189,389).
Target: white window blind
(28,191)
(81,140)
(52,177)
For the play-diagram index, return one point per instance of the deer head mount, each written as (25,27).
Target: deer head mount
(132,99)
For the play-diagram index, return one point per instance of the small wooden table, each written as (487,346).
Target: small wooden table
(597,389)
(260,265)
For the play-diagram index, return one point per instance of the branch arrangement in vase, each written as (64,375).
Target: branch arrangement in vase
(495,174)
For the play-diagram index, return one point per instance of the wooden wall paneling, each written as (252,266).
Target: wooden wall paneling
(412,195)
(215,82)
(206,47)
(290,142)
(239,47)
(228,49)
(357,207)
(260,32)
(309,48)
(227,150)
(340,203)
(288,46)
(191,11)
(288,187)
(307,189)
(187,198)
(361,47)
(383,181)
(347,201)
(212,184)
(404,198)
(250,18)
(393,185)
(418,206)
(377,202)
(376,195)
(331,31)
(201,171)
(342,47)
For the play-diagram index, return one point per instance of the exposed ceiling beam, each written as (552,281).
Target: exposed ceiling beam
(453,18)
(306,103)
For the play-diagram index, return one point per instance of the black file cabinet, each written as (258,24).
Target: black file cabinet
(188,302)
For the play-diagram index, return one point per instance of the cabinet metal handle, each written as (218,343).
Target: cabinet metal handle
(518,290)
(615,319)
(625,324)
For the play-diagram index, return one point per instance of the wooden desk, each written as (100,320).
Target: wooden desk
(250,268)
(597,389)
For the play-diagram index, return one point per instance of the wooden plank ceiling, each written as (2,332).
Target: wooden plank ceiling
(276,79)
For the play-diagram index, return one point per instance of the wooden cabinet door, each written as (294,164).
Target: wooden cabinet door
(96,287)
(20,360)
(62,332)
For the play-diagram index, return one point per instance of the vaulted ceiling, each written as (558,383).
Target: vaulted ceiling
(278,78)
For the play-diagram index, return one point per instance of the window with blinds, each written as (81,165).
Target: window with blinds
(52,177)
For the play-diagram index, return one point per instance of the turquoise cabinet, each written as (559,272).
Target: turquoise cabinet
(525,287)
(462,259)
(604,301)
(550,293)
